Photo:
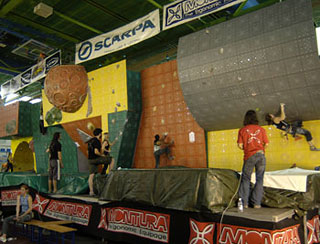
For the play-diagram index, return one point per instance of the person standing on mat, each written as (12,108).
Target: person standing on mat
(55,159)
(160,147)
(106,145)
(252,139)
(24,200)
(292,129)
(95,156)
(9,163)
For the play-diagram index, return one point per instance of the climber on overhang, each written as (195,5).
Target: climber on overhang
(293,129)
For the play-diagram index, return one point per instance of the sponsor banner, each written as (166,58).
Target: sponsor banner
(26,77)
(123,37)
(313,226)
(149,225)
(9,197)
(182,11)
(52,61)
(32,75)
(201,232)
(39,203)
(76,212)
(231,234)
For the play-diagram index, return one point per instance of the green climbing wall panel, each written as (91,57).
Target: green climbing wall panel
(125,125)
(24,129)
(42,142)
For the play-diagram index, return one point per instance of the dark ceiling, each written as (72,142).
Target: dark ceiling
(74,21)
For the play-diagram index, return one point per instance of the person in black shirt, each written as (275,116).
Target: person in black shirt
(106,151)
(95,156)
(55,158)
(292,129)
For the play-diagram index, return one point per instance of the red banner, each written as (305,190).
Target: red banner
(313,226)
(75,212)
(232,234)
(39,204)
(150,225)
(201,232)
(9,197)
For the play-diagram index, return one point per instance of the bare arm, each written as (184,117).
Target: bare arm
(282,116)
(103,147)
(97,152)
(266,145)
(18,207)
(60,159)
(114,142)
(240,145)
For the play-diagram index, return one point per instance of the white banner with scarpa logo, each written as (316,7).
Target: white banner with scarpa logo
(182,11)
(123,37)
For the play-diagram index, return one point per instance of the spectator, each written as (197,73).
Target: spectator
(252,139)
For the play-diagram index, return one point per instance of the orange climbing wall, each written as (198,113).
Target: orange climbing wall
(72,127)
(164,110)
(9,120)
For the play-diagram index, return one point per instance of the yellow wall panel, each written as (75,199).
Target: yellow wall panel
(280,154)
(15,143)
(108,87)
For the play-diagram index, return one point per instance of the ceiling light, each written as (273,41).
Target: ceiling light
(36,100)
(43,10)
(25,99)
(11,96)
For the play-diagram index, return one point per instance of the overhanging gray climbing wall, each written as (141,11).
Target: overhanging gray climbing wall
(254,62)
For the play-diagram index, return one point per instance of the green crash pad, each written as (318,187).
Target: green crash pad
(180,189)
(196,189)
(300,201)
(70,184)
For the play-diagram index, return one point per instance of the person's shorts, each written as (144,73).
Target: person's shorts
(93,168)
(53,169)
(94,163)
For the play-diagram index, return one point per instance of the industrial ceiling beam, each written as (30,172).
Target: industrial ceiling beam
(74,21)
(257,7)
(107,11)
(242,12)
(1,4)
(45,28)
(154,3)
(238,10)
(10,70)
(115,15)
(8,7)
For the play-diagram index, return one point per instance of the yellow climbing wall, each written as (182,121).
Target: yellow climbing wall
(109,93)
(281,153)
(22,165)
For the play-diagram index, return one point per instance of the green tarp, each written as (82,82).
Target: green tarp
(300,201)
(180,189)
(196,189)
(70,184)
